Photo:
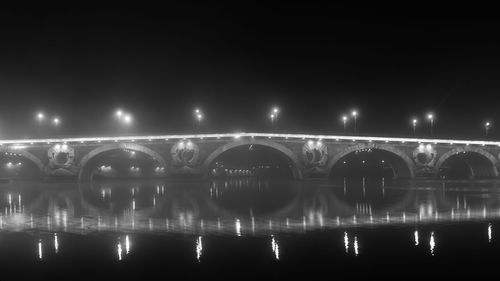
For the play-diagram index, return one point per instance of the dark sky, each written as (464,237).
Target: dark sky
(236,62)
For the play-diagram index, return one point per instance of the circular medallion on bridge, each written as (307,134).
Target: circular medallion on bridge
(425,155)
(315,153)
(61,155)
(185,153)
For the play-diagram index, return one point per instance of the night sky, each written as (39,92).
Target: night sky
(236,62)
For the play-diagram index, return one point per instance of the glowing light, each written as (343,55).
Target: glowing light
(354,113)
(127,119)
(40,116)
(415,235)
(56,121)
(119,113)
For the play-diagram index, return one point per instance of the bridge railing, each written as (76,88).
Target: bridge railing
(19,143)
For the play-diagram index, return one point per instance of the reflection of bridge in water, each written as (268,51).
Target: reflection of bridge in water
(195,209)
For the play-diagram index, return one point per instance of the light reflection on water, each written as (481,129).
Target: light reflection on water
(432,243)
(199,248)
(489,232)
(244,208)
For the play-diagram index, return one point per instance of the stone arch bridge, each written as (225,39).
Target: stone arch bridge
(309,156)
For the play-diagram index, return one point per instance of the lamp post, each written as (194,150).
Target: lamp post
(56,121)
(430,116)
(414,124)
(40,117)
(355,115)
(487,127)
(124,118)
(198,117)
(275,112)
(344,120)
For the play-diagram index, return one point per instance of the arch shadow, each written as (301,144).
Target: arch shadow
(467,149)
(35,160)
(408,162)
(116,146)
(297,174)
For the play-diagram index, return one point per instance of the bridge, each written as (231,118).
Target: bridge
(308,156)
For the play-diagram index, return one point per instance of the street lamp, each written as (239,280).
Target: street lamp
(344,120)
(127,119)
(430,116)
(56,121)
(275,112)
(355,115)
(40,117)
(414,124)
(487,127)
(198,116)
(124,117)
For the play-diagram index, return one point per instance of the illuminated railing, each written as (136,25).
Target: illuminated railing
(21,142)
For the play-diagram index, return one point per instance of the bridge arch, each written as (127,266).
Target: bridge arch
(25,154)
(297,174)
(403,166)
(116,146)
(479,161)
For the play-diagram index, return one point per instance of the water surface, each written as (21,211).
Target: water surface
(248,228)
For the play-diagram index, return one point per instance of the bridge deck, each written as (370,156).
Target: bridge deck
(20,142)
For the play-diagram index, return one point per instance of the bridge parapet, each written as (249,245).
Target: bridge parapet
(309,155)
